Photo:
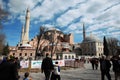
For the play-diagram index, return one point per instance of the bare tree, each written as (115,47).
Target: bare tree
(52,42)
(112,45)
(39,37)
(3,17)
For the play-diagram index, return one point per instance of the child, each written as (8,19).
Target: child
(26,75)
(56,71)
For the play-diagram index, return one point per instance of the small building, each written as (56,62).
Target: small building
(25,51)
(66,55)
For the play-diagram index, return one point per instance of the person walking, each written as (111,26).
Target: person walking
(105,68)
(47,66)
(116,66)
(96,63)
(56,71)
(92,63)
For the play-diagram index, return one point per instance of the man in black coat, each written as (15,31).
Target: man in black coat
(47,66)
(105,68)
(116,66)
(8,70)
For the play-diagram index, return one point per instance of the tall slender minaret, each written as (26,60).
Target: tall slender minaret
(26,29)
(84,34)
(22,35)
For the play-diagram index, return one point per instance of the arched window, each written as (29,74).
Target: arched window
(69,57)
(13,54)
(30,54)
(25,54)
(65,57)
(20,54)
(72,57)
(99,54)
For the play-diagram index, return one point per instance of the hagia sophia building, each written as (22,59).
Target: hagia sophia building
(27,49)
(58,44)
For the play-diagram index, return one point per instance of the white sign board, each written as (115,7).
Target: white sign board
(36,64)
(24,64)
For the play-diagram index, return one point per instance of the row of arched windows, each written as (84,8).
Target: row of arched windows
(69,57)
(21,54)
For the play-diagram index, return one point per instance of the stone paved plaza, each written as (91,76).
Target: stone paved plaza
(74,74)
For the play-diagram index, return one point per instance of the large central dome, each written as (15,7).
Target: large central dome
(52,28)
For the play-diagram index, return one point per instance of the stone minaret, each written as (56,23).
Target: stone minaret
(26,29)
(84,34)
(22,35)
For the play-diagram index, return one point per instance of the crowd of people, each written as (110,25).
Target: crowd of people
(9,68)
(105,65)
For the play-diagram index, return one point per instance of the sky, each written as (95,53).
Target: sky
(100,17)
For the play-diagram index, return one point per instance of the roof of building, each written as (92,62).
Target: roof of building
(26,45)
(91,39)
(65,53)
(52,28)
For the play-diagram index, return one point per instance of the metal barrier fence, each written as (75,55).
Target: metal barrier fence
(74,63)
(34,66)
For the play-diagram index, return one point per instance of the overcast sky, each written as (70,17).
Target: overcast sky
(101,17)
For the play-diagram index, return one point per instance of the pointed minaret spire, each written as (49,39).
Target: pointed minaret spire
(84,34)
(26,29)
(28,10)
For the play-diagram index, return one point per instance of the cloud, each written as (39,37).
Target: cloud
(100,17)
(1,3)
(53,7)
(18,8)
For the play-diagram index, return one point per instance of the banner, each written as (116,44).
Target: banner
(24,64)
(36,64)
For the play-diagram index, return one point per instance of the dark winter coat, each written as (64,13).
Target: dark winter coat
(8,71)
(47,64)
(105,65)
(116,65)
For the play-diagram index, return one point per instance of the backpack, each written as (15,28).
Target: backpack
(57,70)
